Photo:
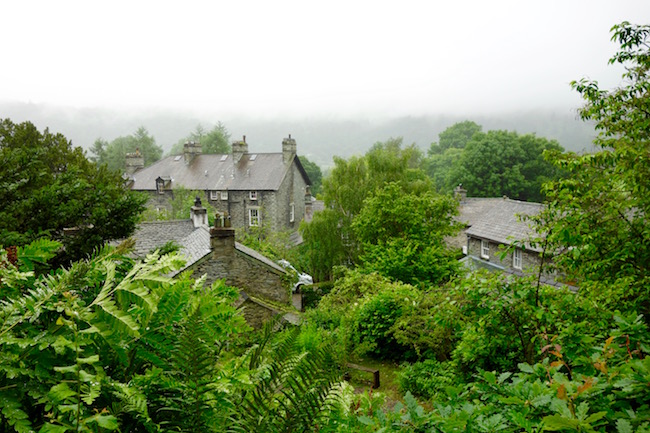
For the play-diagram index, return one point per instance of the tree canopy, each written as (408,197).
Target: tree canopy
(217,140)
(598,215)
(113,154)
(315,175)
(492,163)
(46,185)
(342,233)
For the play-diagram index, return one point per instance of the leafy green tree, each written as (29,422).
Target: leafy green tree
(455,137)
(402,235)
(113,154)
(48,186)
(500,163)
(329,238)
(315,175)
(597,217)
(217,140)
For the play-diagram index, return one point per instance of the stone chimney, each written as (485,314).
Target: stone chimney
(190,150)
(134,161)
(309,204)
(198,214)
(222,235)
(460,193)
(288,149)
(239,148)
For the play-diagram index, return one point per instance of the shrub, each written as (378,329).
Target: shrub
(426,378)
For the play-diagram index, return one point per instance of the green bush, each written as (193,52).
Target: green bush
(426,378)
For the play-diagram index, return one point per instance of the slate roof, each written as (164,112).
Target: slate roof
(254,171)
(498,219)
(194,242)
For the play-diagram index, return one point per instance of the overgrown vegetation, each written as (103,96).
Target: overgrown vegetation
(112,344)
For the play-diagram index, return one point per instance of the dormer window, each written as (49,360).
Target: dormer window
(224,195)
(253,195)
(214,195)
(160,186)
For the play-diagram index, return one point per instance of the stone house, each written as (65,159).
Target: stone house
(493,225)
(255,189)
(266,289)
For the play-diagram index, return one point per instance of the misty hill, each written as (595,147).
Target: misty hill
(319,138)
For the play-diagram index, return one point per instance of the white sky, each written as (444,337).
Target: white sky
(308,58)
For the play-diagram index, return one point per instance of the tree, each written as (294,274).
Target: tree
(402,235)
(46,185)
(217,140)
(597,218)
(329,237)
(500,163)
(113,154)
(315,175)
(455,137)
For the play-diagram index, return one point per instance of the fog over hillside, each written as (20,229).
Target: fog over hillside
(319,138)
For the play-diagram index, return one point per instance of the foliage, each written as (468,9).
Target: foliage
(292,387)
(500,163)
(427,378)
(330,239)
(491,164)
(405,240)
(47,186)
(315,175)
(217,140)
(455,137)
(113,154)
(597,218)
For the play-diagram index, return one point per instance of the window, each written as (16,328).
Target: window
(253,195)
(516,259)
(224,195)
(160,186)
(485,249)
(214,195)
(292,212)
(253,217)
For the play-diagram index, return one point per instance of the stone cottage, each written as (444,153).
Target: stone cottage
(492,225)
(266,289)
(255,189)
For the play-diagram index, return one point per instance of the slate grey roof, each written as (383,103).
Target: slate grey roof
(194,242)
(498,219)
(261,171)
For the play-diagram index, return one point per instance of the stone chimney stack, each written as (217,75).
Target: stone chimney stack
(190,150)
(239,149)
(134,161)
(198,214)
(222,235)
(309,204)
(460,193)
(288,149)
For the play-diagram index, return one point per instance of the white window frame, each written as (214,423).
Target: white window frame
(292,212)
(160,186)
(214,195)
(254,217)
(252,195)
(224,195)
(485,249)
(517,259)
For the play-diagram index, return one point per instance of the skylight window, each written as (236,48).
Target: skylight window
(252,157)
(223,158)
(178,157)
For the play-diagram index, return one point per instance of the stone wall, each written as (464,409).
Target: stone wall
(242,271)
(530,259)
